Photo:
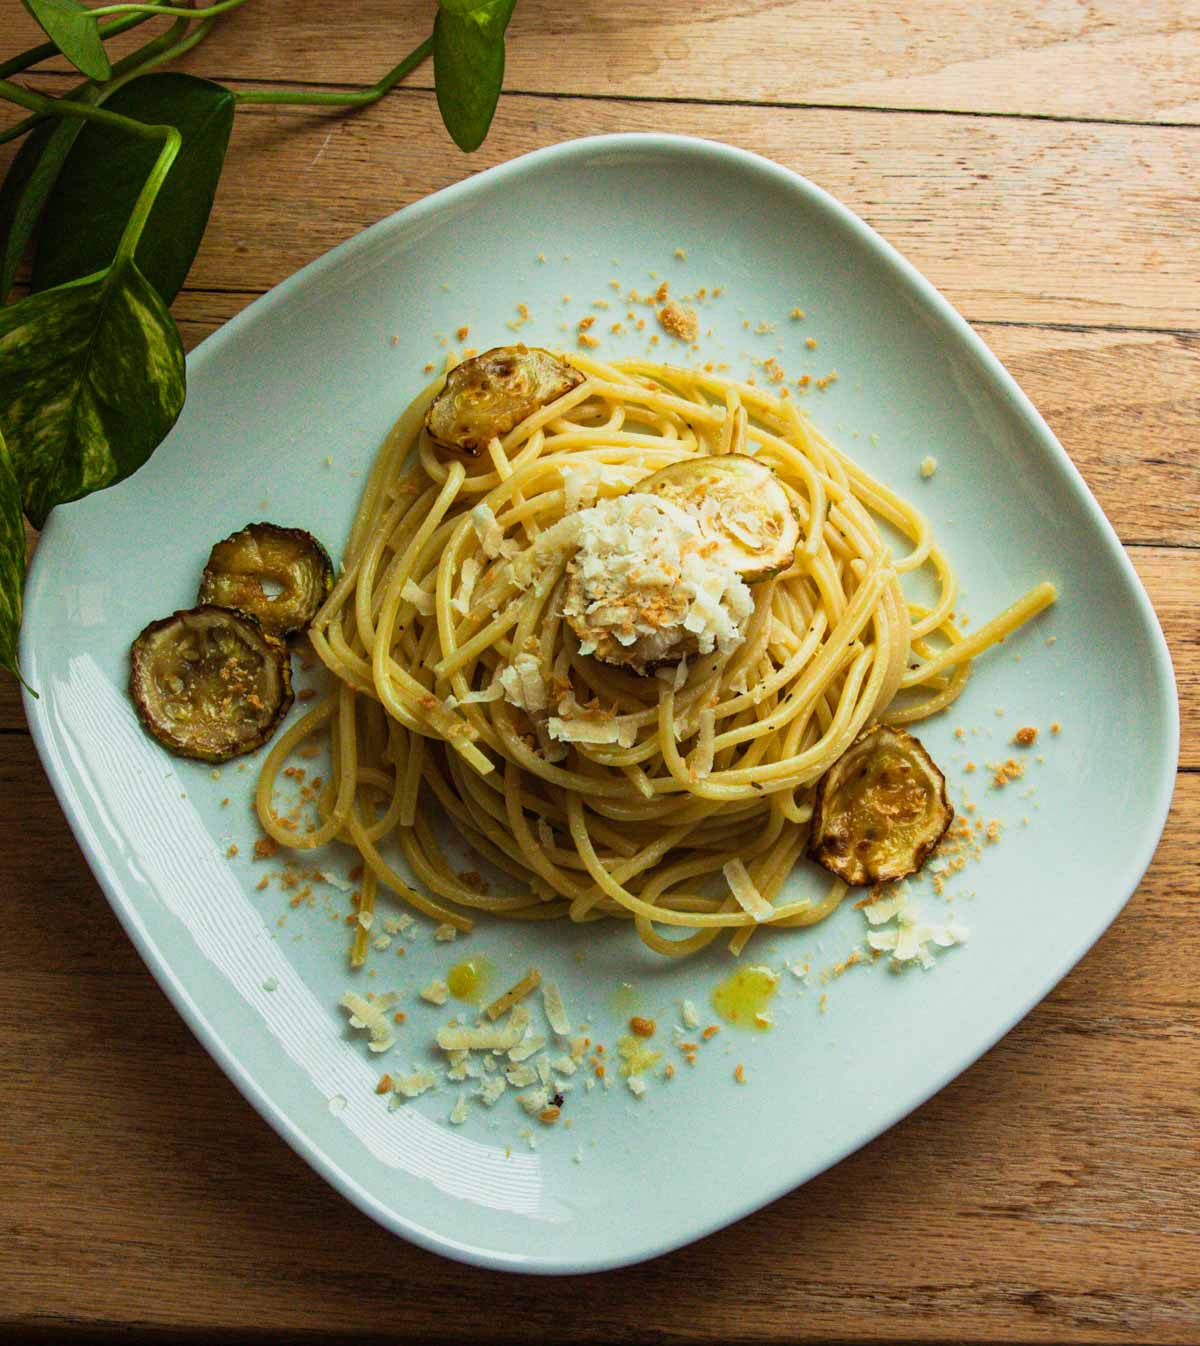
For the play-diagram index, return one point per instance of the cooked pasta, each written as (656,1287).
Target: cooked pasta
(678,797)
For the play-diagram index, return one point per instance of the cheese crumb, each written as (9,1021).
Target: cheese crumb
(436,992)
(929,465)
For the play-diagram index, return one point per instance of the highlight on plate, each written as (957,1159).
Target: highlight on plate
(640,636)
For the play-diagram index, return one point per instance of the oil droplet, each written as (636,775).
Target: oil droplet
(742,998)
(624,1000)
(469,981)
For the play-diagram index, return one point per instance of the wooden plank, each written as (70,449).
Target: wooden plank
(1047,1195)
(990,209)
(1134,62)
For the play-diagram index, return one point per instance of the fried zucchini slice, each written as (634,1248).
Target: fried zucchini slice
(488,395)
(288,559)
(740,504)
(210,683)
(880,809)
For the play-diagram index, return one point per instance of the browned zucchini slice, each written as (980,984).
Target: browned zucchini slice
(289,559)
(880,809)
(740,504)
(488,395)
(210,683)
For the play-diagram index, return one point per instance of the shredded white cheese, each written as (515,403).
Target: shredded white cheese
(491,1089)
(413,1086)
(487,530)
(461,602)
(480,1037)
(421,599)
(373,1016)
(523,685)
(643,589)
(741,885)
(556,1012)
(436,992)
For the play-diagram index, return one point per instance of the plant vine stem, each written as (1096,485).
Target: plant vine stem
(311,98)
(64,107)
(163,48)
(146,197)
(209,11)
(16,64)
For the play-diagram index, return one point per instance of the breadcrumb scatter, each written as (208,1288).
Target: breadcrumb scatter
(679,322)
(1007,771)
(1026,736)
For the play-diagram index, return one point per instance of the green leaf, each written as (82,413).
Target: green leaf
(75,33)
(91,379)
(101,179)
(26,189)
(468,65)
(12,562)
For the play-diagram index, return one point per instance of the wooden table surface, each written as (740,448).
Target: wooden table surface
(1038,162)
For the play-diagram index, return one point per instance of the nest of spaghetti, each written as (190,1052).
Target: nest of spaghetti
(652,760)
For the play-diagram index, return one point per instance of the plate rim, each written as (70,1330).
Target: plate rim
(174,985)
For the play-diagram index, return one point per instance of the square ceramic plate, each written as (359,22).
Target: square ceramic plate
(285,409)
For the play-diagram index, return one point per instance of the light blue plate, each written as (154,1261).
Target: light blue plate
(285,409)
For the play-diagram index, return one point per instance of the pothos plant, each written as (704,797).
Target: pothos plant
(109,194)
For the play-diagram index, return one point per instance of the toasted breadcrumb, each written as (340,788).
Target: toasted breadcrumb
(1026,736)
(678,321)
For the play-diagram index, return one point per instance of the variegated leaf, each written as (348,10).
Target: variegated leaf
(91,380)
(12,562)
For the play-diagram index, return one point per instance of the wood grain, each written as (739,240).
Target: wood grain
(993,211)
(1133,62)
(1050,1194)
